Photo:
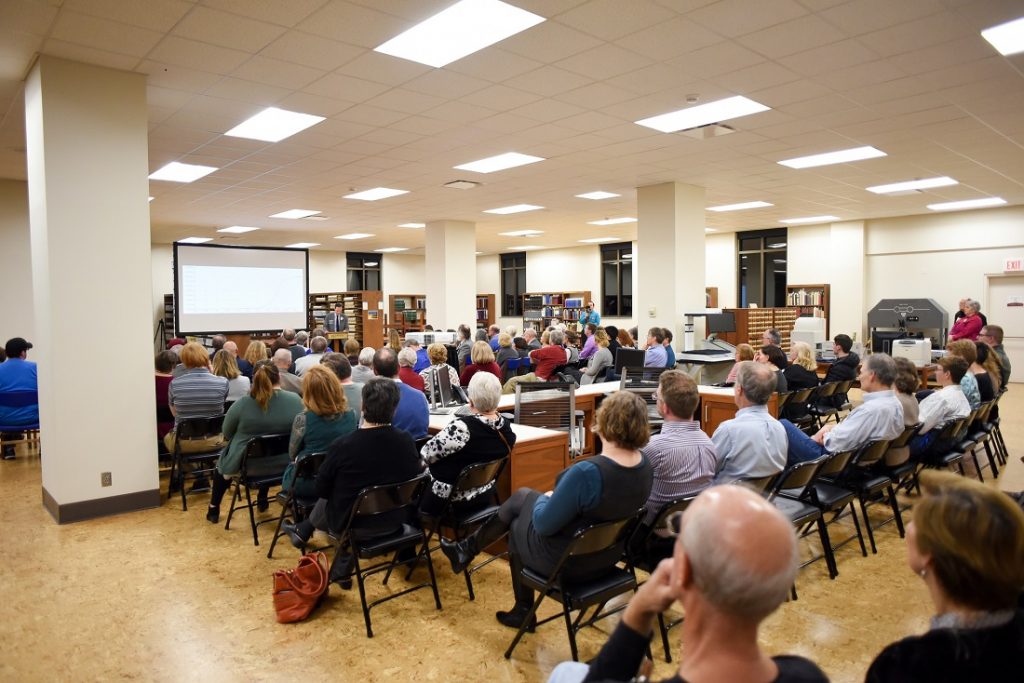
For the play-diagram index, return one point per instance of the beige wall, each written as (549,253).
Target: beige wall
(17,315)
(720,266)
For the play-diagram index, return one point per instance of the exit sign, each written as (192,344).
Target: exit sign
(1013,265)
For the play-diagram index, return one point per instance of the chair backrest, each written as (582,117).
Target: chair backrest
(826,390)
(836,463)
(163,413)
(798,477)
(306,466)
(546,404)
(844,386)
(199,427)
(984,410)
(952,428)
(19,399)
(384,498)
(904,438)
(264,446)
(602,536)
(782,398)
(759,484)
(478,475)
(871,452)
(670,508)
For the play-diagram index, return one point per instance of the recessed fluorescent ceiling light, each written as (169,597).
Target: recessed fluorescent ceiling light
(237,229)
(353,236)
(499,162)
(181,173)
(701,115)
(612,221)
(460,30)
(908,185)
(376,193)
(839,157)
(273,124)
(412,225)
(371,264)
(1008,38)
(598,240)
(810,219)
(968,204)
(739,207)
(528,247)
(522,233)
(391,250)
(295,213)
(302,245)
(710,230)
(597,195)
(515,208)
(195,240)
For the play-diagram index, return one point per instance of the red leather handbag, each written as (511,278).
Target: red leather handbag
(298,591)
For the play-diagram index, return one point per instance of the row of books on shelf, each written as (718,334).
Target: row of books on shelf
(803,297)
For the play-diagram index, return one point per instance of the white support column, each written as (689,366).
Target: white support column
(86,130)
(16,300)
(450,270)
(669,257)
(848,312)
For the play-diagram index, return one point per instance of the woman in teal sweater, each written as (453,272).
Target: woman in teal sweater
(266,410)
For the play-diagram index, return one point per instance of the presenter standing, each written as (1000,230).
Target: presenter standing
(336,321)
(589,315)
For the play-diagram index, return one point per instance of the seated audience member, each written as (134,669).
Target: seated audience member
(733,565)
(942,406)
(989,359)
(907,383)
(626,340)
(254,353)
(376,453)
(880,417)
(394,341)
(530,337)
(985,371)
(287,380)
(968,351)
(482,360)
(655,356)
(481,335)
(590,346)
(244,366)
(969,325)
(317,349)
(993,336)
(966,543)
(843,368)
(771,337)
(165,362)
(363,371)
(492,337)
(775,358)
(217,343)
(609,486)
(670,354)
(438,355)
(801,373)
(266,410)
(327,416)
(339,365)
(463,345)
(279,343)
(224,365)
(197,392)
(521,348)
(302,341)
(752,444)
(600,361)
(406,371)
(422,361)
(572,345)
(682,456)
(351,349)
(482,436)
(506,351)
(743,352)
(613,339)
(413,413)
(290,338)
(548,359)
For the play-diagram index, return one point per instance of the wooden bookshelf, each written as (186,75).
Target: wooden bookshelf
(711,297)
(168,319)
(363,309)
(541,309)
(752,322)
(810,301)
(484,310)
(407,313)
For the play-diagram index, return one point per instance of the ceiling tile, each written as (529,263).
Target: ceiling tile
(198,55)
(549,42)
(383,68)
(275,72)
(863,16)
(604,62)
(89,55)
(287,13)
(103,34)
(608,20)
(227,30)
(346,88)
(353,24)
(158,15)
(548,81)
(793,36)
(310,50)
(737,17)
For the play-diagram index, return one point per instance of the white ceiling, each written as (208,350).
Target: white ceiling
(911,77)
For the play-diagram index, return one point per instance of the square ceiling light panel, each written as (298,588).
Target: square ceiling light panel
(273,125)
(739,207)
(841,156)
(703,114)
(462,29)
(499,162)
(597,195)
(195,240)
(177,172)
(295,214)
(375,194)
(809,220)
(302,245)
(968,204)
(912,185)
(1008,38)
(515,208)
(237,229)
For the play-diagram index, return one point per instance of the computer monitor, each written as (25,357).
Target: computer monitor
(628,358)
(720,322)
(440,389)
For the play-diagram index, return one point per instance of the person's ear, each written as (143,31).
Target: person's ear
(682,571)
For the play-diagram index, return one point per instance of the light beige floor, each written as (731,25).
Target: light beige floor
(163,595)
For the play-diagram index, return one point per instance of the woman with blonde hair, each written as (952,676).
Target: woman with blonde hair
(266,410)
(255,352)
(483,361)
(802,371)
(352,351)
(225,365)
(744,352)
(966,543)
(394,340)
(327,416)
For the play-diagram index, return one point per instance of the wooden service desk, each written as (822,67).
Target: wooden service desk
(717,405)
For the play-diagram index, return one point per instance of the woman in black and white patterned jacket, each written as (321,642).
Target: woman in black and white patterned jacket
(481,436)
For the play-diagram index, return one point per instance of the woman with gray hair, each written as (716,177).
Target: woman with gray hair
(968,326)
(406,372)
(481,436)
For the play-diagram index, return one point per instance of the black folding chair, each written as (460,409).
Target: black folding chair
(760,484)
(867,482)
(581,595)
(472,477)
(833,499)
(258,470)
(841,396)
(820,405)
(792,496)
(977,435)
(294,505)
(795,408)
(201,463)
(372,503)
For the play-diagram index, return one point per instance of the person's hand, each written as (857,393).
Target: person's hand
(548,493)
(652,598)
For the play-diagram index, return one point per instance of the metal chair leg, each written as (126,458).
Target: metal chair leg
(571,629)
(856,525)
(826,547)
(867,525)
(252,515)
(664,637)
(896,514)
(525,624)
(234,498)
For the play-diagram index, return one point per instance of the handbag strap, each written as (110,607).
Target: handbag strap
(320,560)
(505,441)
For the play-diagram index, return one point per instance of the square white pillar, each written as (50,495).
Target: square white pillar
(451,274)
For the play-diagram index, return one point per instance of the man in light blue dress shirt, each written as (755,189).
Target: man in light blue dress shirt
(752,444)
(880,417)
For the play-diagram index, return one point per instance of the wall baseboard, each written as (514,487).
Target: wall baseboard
(101,507)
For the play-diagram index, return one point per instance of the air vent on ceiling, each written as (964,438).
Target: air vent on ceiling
(318,217)
(462,184)
(712,130)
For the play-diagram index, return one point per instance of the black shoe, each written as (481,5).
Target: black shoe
(8,453)
(262,504)
(515,619)
(458,554)
(213,514)
(294,536)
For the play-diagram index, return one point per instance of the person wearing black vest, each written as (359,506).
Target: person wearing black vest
(481,437)
(843,368)
(611,486)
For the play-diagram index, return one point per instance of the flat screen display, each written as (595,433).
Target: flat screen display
(239,289)
(718,323)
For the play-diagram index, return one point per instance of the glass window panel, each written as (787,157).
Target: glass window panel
(750,244)
(355,280)
(373,280)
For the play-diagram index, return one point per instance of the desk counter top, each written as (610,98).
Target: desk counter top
(524,433)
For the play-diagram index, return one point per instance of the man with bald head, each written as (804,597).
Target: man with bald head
(289,382)
(733,565)
(753,444)
(244,366)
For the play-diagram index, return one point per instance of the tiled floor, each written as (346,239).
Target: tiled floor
(163,595)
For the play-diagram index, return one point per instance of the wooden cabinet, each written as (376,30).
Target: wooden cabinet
(542,309)
(810,301)
(711,297)
(752,322)
(484,310)
(363,309)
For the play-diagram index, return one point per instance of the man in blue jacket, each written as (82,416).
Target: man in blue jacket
(413,413)
(18,381)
